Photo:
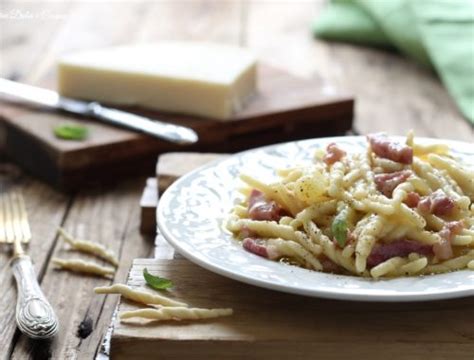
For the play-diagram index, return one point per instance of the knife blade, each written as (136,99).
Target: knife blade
(52,100)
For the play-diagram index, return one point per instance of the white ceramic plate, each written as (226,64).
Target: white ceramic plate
(192,211)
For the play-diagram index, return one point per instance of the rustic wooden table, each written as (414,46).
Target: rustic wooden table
(392,94)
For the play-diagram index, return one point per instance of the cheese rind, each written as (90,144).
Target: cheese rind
(203,79)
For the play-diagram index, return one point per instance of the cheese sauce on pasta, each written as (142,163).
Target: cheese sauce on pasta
(398,209)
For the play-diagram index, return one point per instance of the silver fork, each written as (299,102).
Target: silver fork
(34,315)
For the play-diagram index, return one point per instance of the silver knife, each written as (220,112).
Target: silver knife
(51,99)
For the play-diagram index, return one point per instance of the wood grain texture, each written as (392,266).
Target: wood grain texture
(285,108)
(110,217)
(27,28)
(204,20)
(402,95)
(20,45)
(46,210)
(132,244)
(268,324)
(393,93)
(82,30)
(148,204)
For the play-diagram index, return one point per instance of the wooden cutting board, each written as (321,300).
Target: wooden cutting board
(273,325)
(286,108)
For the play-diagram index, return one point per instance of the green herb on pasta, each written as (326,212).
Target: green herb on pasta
(339,228)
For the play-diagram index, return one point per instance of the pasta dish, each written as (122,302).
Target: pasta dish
(396,209)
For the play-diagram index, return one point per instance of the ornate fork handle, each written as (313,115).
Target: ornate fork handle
(34,315)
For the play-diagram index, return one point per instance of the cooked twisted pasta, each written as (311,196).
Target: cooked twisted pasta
(394,210)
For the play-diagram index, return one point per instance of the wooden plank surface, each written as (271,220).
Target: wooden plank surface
(269,324)
(400,94)
(285,108)
(111,217)
(121,23)
(19,40)
(393,94)
(148,204)
(46,210)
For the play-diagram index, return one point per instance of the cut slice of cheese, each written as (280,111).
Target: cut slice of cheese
(204,79)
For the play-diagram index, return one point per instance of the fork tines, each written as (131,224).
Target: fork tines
(13,218)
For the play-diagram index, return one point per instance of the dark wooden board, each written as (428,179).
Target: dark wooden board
(272,325)
(286,108)
(148,204)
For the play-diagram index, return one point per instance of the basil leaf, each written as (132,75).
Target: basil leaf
(156,282)
(339,228)
(70,131)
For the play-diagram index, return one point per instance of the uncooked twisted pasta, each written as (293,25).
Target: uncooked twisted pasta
(89,247)
(85,267)
(139,296)
(175,313)
(397,209)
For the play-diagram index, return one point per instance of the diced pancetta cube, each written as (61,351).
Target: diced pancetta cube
(443,250)
(260,248)
(262,209)
(437,203)
(402,248)
(385,148)
(412,199)
(387,182)
(333,154)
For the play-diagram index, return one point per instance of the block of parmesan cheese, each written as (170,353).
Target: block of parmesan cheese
(203,79)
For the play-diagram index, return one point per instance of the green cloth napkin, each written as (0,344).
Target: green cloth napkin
(436,33)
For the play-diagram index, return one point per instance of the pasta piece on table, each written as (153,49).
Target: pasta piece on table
(89,247)
(139,296)
(175,313)
(81,266)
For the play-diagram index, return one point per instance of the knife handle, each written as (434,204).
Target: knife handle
(34,315)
